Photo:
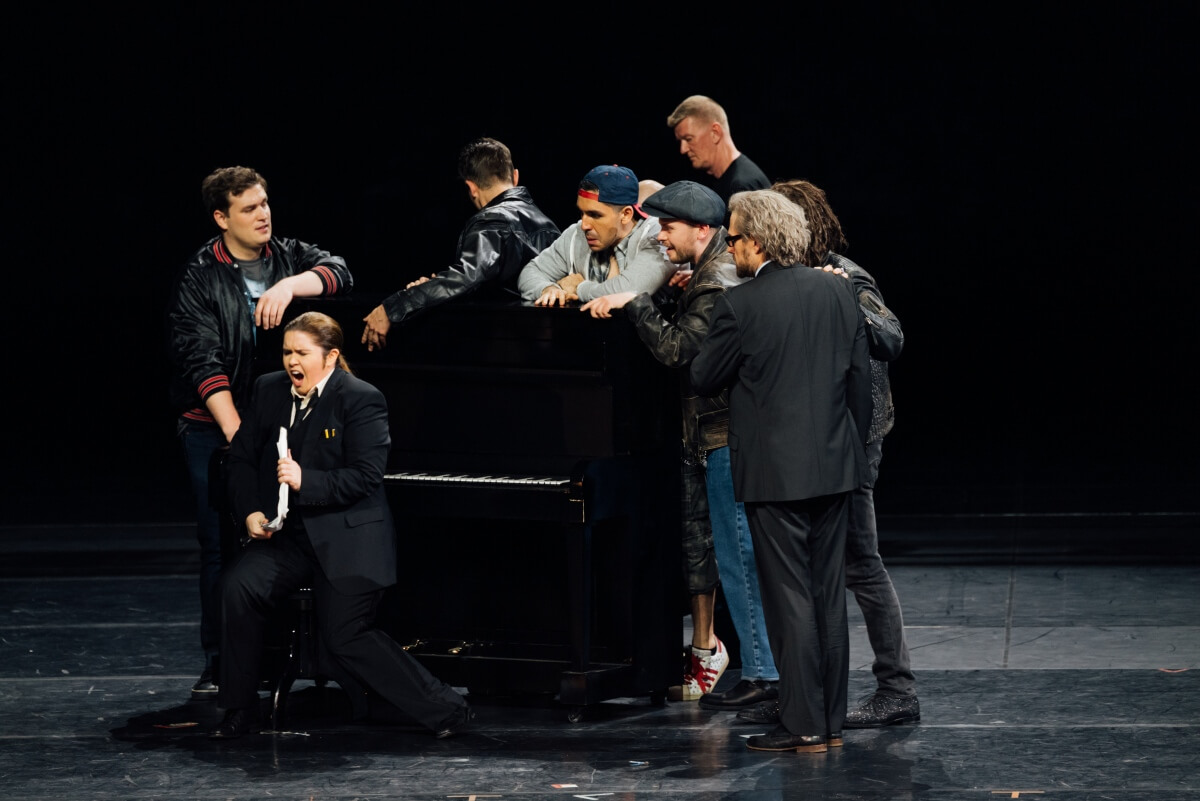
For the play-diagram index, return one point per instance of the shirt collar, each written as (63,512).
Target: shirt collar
(313,393)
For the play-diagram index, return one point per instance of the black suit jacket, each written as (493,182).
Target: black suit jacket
(791,345)
(342,456)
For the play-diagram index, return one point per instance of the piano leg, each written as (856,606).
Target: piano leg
(579,569)
(575,690)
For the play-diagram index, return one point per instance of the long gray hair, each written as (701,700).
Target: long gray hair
(776,223)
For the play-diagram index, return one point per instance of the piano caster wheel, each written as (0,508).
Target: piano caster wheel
(575,714)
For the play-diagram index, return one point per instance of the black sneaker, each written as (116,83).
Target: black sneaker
(207,682)
(762,714)
(743,695)
(455,724)
(236,723)
(884,710)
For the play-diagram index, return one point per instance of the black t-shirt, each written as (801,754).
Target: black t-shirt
(743,174)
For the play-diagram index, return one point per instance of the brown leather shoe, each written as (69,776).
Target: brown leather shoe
(768,713)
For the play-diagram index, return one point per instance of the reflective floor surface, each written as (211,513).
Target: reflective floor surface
(1067,681)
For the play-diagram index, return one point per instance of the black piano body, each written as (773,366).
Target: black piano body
(534,479)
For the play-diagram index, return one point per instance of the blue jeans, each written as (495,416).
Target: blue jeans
(867,578)
(200,442)
(739,575)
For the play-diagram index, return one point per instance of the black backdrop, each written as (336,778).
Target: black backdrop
(1021,182)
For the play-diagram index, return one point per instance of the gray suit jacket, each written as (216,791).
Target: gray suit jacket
(792,347)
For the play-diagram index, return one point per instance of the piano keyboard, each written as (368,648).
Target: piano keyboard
(532,482)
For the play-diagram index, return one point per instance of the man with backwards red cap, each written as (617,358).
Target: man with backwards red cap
(715,530)
(613,247)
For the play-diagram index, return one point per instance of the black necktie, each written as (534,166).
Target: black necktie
(298,415)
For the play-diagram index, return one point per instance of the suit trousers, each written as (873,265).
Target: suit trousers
(264,575)
(799,547)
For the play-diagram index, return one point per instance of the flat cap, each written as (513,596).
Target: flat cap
(687,201)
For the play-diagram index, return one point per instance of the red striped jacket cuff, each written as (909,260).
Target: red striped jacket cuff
(216,383)
(328,278)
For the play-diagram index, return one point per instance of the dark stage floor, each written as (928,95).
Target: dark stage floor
(1049,678)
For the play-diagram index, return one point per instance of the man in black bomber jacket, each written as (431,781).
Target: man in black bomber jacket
(237,285)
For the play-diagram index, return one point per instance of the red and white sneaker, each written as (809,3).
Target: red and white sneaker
(701,675)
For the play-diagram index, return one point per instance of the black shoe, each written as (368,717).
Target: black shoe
(236,723)
(780,739)
(746,693)
(834,739)
(761,714)
(455,723)
(884,710)
(207,683)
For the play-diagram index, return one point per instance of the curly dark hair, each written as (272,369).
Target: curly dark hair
(823,224)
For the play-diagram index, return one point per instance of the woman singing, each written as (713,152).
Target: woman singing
(337,537)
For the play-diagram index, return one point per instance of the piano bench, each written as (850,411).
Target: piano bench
(300,658)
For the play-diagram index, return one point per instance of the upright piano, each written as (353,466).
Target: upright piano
(534,479)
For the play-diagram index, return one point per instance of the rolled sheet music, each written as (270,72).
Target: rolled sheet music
(282,509)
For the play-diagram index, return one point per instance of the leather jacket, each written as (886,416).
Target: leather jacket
(496,243)
(675,342)
(885,340)
(211,334)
